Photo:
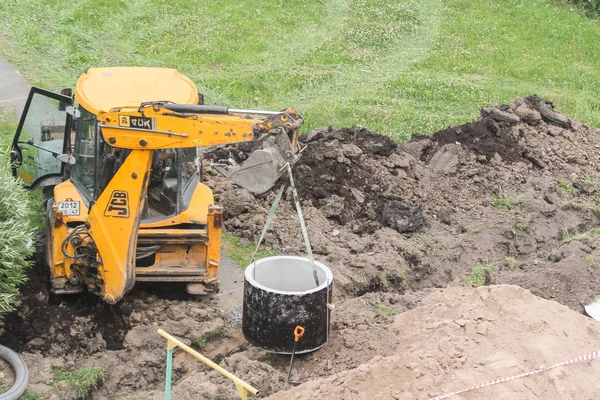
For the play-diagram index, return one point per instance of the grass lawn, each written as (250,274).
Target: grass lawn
(397,66)
(242,254)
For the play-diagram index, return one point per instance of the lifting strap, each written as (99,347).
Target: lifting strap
(300,218)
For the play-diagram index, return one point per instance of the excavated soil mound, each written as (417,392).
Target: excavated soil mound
(463,337)
(515,193)
(345,190)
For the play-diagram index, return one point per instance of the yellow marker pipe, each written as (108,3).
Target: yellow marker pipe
(241,386)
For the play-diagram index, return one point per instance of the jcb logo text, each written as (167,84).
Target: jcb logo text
(118,205)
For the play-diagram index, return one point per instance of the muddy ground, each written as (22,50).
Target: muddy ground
(511,198)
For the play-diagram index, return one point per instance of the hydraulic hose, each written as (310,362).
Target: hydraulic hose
(21,374)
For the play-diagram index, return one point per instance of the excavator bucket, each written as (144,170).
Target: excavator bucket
(264,166)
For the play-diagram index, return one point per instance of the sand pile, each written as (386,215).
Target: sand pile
(462,337)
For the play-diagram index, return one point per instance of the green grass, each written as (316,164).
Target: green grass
(477,275)
(241,254)
(566,186)
(385,310)
(202,340)
(8,127)
(397,66)
(591,259)
(555,255)
(521,226)
(510,262)
(200,343)
(503,202)
(592,6)
(581,236)
(85,381)
(30,396)
(16,235)
(384,281)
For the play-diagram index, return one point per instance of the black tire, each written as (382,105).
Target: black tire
(47,194)
(21,374)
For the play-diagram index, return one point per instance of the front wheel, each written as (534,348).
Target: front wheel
(47,195)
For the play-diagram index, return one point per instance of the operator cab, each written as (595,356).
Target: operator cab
(55,141)
(173,175)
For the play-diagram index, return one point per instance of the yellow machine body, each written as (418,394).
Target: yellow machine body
(130,205)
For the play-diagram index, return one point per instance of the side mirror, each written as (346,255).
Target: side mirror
(73,112)
(65,92)
(66,158)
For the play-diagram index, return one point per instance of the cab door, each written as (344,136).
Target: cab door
(41,139)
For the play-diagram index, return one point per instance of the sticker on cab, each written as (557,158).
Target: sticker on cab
(25,176)
(124,120)
(69,207)
(136,122)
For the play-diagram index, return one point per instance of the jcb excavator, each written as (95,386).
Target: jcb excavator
(120,170)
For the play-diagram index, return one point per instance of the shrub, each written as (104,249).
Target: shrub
(16,235)
(593,5)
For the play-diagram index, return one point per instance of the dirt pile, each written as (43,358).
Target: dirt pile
(40,321)
(507,192)
(462,337)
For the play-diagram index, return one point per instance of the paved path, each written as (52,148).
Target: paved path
(231,278)
(14,89)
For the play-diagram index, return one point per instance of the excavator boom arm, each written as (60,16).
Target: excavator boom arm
(156,126)
(159,125)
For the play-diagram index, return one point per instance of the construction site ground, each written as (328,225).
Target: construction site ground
(458,258)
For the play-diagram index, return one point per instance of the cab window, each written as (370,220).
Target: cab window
(84,171)
(174,177)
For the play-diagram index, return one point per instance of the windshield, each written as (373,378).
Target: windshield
(172,181)
(84,170)
(188,165)
(173,176)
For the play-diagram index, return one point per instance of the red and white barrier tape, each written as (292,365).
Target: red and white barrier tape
(590,356)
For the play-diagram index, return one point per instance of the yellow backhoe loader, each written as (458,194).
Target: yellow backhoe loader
(120,165)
